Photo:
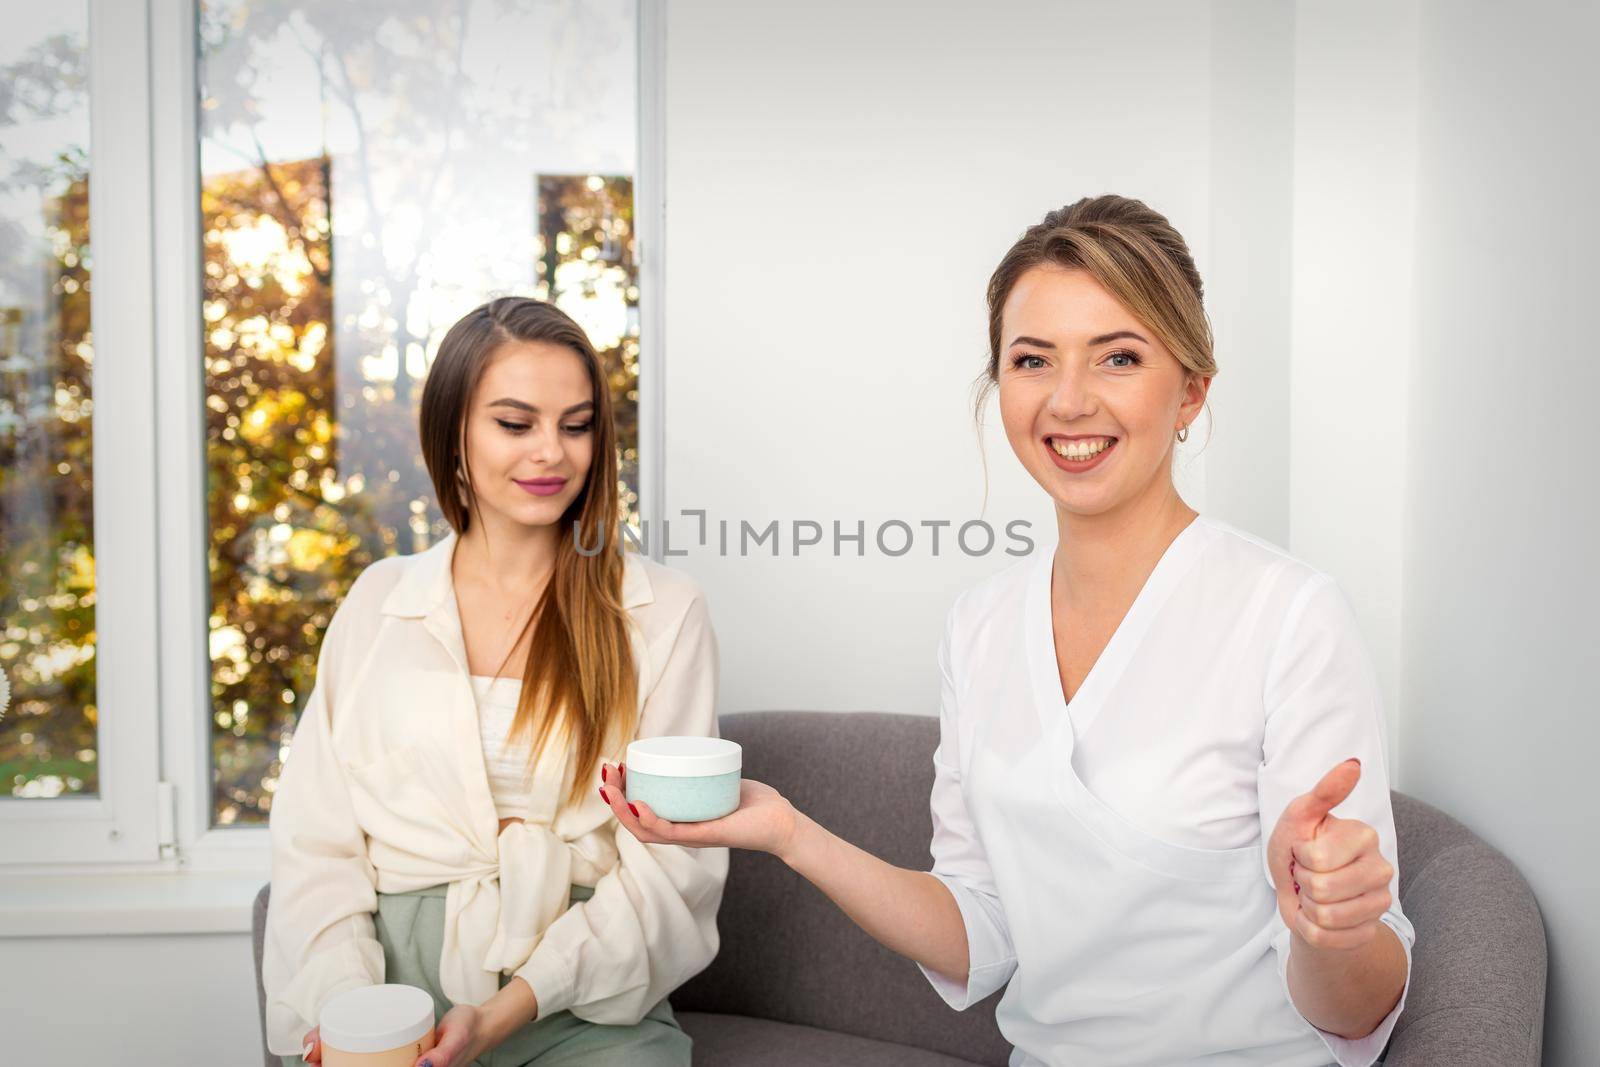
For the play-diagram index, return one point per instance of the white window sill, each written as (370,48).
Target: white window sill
(82,905)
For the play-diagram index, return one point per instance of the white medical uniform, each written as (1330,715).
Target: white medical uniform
(1108,854)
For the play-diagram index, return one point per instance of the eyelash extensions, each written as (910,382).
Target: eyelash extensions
(1016,361)
(518,427)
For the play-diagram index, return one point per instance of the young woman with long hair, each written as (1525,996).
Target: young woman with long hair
(437,822)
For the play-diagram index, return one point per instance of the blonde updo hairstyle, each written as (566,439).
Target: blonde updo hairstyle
(1131,250)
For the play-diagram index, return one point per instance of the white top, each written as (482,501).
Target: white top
(505,763)
(386,790)
(1108,855)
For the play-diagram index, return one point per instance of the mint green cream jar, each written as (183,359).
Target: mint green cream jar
(685,779)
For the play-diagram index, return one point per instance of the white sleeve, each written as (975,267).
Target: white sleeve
(959,861)
(652,921)
(320,938)
(1323,706)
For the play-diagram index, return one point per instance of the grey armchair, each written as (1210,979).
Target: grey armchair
(797,984)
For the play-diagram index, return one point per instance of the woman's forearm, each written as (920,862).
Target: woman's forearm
(508,1011)
(909,912)
(1348,991)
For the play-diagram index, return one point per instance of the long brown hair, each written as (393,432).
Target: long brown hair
(579,683)
(1135,253)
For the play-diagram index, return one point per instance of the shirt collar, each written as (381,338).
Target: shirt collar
(427,582)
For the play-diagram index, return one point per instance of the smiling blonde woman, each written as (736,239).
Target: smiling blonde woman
(1161,812)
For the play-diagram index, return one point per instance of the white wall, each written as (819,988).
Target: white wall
(1501,722)
(841,179)
(130,1000)
(1245,259)
(1392,267)
(1354,145)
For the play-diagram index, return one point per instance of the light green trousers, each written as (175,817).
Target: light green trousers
(410,926)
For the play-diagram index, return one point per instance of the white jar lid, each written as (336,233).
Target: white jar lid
(376,1018)
(684,757)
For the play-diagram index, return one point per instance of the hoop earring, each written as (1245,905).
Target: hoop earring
(1183,434)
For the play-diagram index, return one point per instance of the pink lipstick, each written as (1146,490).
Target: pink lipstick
(542,486)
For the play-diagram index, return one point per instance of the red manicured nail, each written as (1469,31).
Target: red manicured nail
(1297,887)
(634,810)
(604,797)
(603,777)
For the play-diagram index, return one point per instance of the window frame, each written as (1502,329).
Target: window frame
(120,823)
(152,584)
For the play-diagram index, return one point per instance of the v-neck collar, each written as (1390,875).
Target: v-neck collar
(1059,721)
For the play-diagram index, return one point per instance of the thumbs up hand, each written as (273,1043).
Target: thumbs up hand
(1332,881)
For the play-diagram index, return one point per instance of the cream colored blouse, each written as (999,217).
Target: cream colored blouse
(386,790)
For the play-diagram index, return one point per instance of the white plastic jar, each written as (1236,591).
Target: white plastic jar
(377,1026)
(685,779)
